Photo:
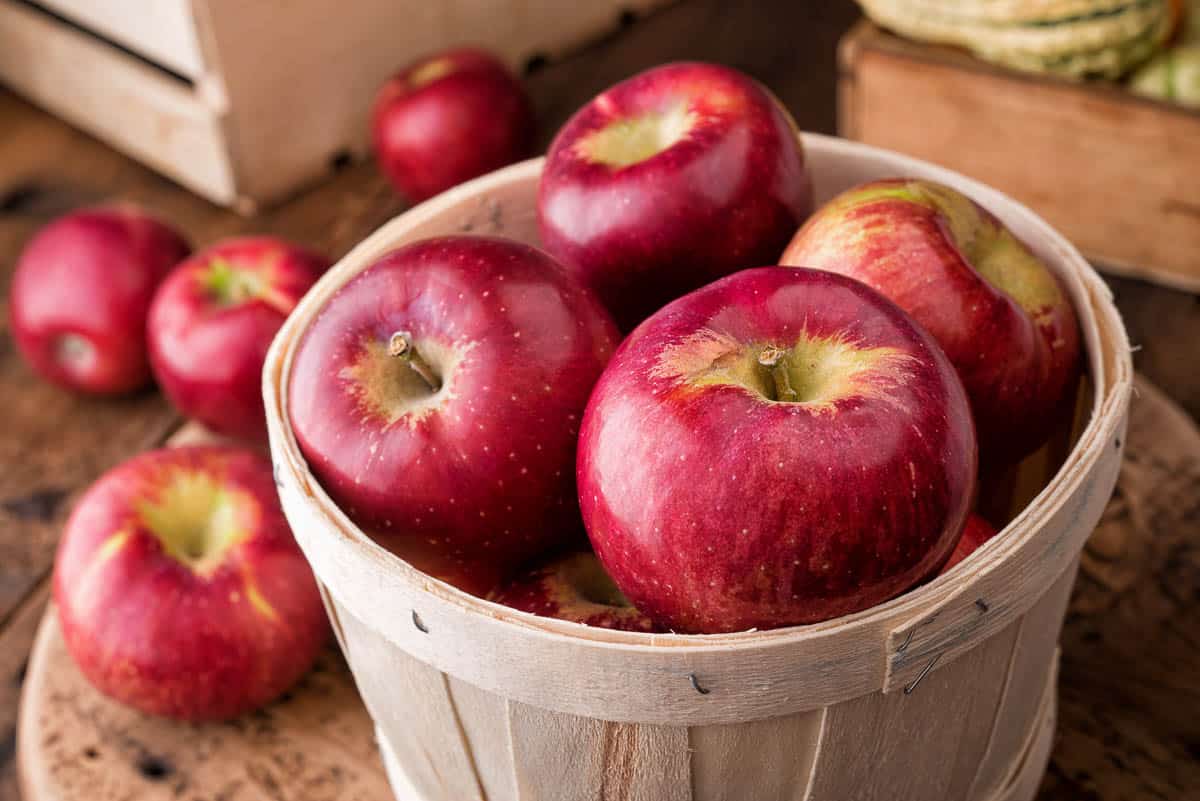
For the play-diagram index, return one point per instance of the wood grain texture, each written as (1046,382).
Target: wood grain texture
(949,713)
(767,760)
(424,731)
(484,718)
(1130,682)
(559,757)
(1028,666)
(1102,165)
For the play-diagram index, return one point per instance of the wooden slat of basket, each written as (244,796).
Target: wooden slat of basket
(727,760)
(1037,635)
(425,729)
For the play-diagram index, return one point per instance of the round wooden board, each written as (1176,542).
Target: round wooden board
(318,743)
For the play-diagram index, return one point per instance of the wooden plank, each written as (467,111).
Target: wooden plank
(484,719)
(1103,166)
(162,30)
(950,712)
(127,104)
(1032,658)
(411,705)
(765,760)
(560,757)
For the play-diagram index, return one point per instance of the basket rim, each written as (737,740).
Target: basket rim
(1106,351)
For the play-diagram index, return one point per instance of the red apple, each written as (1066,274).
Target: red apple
(575,588)
(675,177)
(212,321)
(180,590)
(975,533)
(782,446)
(1000,314)
(80,295)
(448,118)
(438,394)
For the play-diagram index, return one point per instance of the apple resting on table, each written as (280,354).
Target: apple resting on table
(180,589)
(212,321)
(666,181)
(997,310)
(782,446)
(437,398)
(81,292)
(448,118)
(575,588)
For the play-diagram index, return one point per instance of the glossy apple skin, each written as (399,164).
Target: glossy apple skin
(564,588)
(1017,351)
(448,118)
(208,353)
(88,277)
(153,633)
(975,533)
(480,477)
(725,197)
(717,510)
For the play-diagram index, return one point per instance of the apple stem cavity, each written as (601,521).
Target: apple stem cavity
(400,346)
(231,285)
(771,357)
(631,140)
(196,519)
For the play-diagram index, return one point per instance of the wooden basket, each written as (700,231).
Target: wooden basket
(943,693)
(244,102)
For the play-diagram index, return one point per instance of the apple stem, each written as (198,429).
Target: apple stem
(400,346)
(771,357)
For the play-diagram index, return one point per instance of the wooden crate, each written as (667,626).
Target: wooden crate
(1117,173)
(244,102)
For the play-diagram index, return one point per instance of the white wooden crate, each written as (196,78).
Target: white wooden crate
(244,102)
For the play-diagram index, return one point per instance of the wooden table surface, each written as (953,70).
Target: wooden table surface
(1129,727)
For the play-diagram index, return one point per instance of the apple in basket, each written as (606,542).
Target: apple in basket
(437,398)
(780,447)
(666,181)
(448,118)
(1000,314)
(81,292)
(975,533)
(212,321)
(573,587)
(180,589)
